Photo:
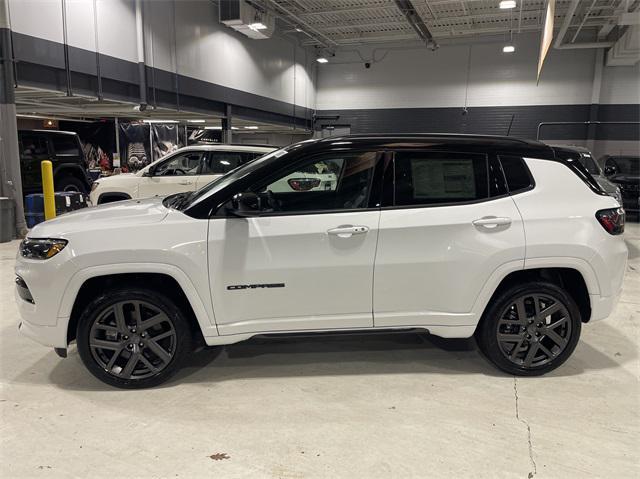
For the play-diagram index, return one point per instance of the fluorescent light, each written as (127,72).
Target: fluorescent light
(505,4)
(299,30)
(508,49)
(160,121)
(322,60)
(213,128)
(235,128)
(250,127)
(257,26)
(196,121)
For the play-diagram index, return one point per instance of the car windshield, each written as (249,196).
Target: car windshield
(589,163)
(626,165)
(225,180)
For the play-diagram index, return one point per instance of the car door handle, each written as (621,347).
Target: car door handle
(492,221)
(348,230)
(185,183)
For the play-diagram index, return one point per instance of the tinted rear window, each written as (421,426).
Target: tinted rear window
(439,178)
(65,145)
(516,173)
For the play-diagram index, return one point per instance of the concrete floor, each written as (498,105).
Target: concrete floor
(392,406)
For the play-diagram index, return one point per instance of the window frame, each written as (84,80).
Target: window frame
(391,171)
(375,185)
(532,181)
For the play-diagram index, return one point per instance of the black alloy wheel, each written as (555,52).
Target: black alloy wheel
(530,329)
(133,338)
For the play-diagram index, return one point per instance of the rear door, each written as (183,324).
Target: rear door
(217,163)
(447,224)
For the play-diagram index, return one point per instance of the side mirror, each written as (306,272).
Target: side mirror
(149,172)
(245,205)
(610,170)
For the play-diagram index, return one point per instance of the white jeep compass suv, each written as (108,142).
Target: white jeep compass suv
(185,169)
(456,235)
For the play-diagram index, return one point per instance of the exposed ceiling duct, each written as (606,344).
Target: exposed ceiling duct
(416,22)
(246,19)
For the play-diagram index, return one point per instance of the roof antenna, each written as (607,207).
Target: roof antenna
(510,124)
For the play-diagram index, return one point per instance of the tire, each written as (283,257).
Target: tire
(161,339)
(70,183)
(522,341)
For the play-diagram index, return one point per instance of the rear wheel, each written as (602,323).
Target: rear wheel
(133,338)
(530,329)
(70,184)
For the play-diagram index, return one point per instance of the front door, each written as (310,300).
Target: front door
(305,261)
(448,225)
(176,174)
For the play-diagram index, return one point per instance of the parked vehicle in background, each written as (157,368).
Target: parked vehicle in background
(624,170)
(63,149)
(586,158)
(438,220)
(184,170)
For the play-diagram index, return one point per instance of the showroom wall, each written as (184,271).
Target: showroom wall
(192,60)
(421,90)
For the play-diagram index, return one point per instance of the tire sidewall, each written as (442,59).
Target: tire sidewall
(487,337)
(95,309)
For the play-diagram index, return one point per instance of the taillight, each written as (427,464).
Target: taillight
(304,184)
(612,220)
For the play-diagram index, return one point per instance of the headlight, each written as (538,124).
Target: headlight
(41,248)
(94,185)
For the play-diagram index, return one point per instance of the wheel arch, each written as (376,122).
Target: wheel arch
(73,170)
(568,278)
(167,279)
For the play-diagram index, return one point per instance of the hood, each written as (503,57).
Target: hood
(122,213)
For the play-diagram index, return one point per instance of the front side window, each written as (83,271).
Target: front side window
(33,145)
(431,178)
(182,164)
(330,182)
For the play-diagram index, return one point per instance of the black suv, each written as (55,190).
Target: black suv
(63,149)
(624,170)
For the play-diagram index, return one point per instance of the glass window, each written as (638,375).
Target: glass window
(181,164)
(516,173)
(439,178)
(340,181)
(33,145)
(221,162)
(589,163)
(65,145)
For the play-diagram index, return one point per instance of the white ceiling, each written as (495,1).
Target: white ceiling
(336,23)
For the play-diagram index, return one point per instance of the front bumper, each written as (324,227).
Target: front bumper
(52,336)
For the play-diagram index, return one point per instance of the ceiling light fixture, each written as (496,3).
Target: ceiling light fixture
(299,30)
(505,4)
(160,121)
(196,121)
(508,49)
(213,128)
(250,127)
(322,60)
(257,26)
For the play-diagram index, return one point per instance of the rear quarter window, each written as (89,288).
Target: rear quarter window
(516,173)
(65,145)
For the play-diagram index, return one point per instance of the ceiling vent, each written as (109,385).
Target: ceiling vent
(246,19)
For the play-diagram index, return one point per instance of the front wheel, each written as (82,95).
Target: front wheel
(133,338)
(530,329)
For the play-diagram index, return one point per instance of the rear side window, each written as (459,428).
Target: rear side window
(65,145)
(516,173)
(572,160)
(430,178)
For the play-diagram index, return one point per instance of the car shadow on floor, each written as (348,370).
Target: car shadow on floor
(333,355)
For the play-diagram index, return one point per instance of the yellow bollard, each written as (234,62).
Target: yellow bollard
(47,189)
